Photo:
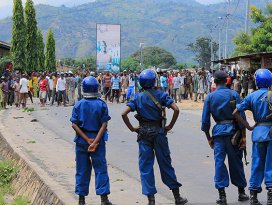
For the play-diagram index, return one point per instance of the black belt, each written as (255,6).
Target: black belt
(87,131)
(264,123)
(151,124)
(225,122)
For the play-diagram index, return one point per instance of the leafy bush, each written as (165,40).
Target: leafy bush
(20,201)
(7,172)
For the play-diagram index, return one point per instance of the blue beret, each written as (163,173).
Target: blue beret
(220,75)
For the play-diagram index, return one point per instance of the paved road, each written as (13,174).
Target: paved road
(191,155)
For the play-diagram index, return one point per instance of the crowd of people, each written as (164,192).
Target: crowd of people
(65,87)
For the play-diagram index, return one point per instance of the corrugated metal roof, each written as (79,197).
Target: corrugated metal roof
(236,58)
(5,45)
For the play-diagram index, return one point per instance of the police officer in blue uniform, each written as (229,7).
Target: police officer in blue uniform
(89,118)
(152,137)
(218,104)
(259,102)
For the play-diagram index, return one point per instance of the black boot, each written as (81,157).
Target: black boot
(254,198)
(222,197)
(242,196)
(81,200)
(178,199)
(269,196)
(105,200)
(151,199)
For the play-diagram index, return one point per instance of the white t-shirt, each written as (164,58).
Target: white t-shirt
(182,78)
(50,84)
(131,80)
(61,84)
(24,84)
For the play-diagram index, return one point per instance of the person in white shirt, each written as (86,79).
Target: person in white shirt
(176,87)
(50,83)
(23,91)
(61,89)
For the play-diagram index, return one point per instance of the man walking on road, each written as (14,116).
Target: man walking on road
(71,87)
(115,85)
(218,104)
(61,89)
(43,86)
(150,105)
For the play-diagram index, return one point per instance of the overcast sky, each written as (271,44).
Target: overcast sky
(59,2)
(210,1)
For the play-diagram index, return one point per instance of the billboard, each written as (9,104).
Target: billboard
(108,47)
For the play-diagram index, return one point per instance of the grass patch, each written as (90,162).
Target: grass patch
(7,173)
(31,142)
(28,109)
(20,201)
(2,201)
(44,108)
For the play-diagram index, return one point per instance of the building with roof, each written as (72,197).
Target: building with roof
(250,62)
(4,48)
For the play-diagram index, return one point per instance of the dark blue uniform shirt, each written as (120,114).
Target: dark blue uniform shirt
(89,115)
(145,107)
(257,102)
(217,104)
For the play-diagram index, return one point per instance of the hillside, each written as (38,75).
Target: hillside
(168,24)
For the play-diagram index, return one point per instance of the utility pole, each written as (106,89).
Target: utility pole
(141,56)
(219,51)
(212,57)
(247,15)
(227,28)
(219,40)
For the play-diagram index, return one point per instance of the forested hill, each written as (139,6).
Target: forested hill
(169,24)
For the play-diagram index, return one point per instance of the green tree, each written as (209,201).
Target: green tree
(262,35)
(40,51)
(68,62)
(50,56)
(31,36)
(18,36)
(202,50)
(89,63)
(243,44)
(260,38)
(181,66)
(130,64)
(155,56)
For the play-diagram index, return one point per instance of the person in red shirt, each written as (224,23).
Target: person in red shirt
(228,81)
(43,85)
(171,83)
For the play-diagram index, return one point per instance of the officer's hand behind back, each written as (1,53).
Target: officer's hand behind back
(211,143)
(92,147)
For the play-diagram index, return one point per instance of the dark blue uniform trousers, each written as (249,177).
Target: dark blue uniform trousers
(261,167)
(223,147)
(147,155)
(84,163)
